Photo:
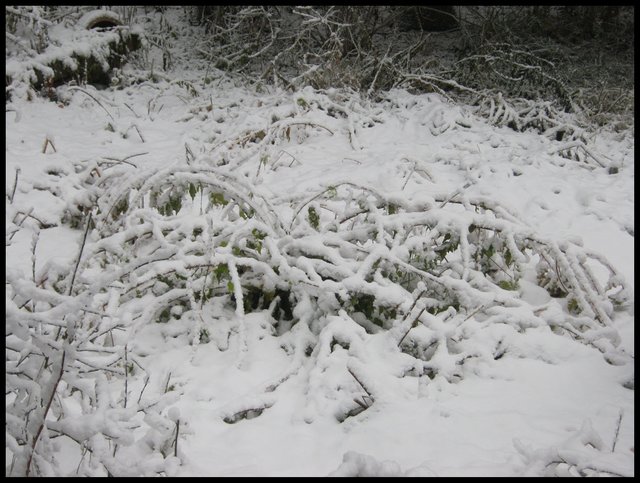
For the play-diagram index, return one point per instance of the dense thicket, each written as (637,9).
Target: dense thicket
(578,57)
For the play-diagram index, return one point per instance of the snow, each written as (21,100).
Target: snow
(508,396)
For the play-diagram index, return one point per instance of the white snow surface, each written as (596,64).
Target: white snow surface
(528,412)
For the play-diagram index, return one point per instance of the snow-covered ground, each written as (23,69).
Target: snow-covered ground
(550,403)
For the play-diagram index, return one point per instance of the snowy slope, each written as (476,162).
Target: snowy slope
(251,401)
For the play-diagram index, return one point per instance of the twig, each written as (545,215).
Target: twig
(48,142)
(126,376)
(138,131)
(188,153)
(34,245)
(166,386)
(42,224)
(175,444)
(560,279)
(615,440)
(408,178)
(362,386)
(15,185)
(498,265)
(360,403)
(75,88)
(131,109)
(409,312)
(474,312)
(84,240)
(307,123)
(146,381)
(412,325)
(450,199)
(335,187)
(44,416)
(19,225)
(115,160)
(133,156)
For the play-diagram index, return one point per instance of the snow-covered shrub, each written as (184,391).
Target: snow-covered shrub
(579,57)
(26,29)
(582,454)
(63,371)
(63,53)
(425,276)
(515,72)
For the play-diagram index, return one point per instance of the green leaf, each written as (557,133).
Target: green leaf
(218,199)
(192,190)
(245,215)
(363,303)
(221,271)
(507,285)
(204,336)
(314,218)
(164,317)
(488,252)
(121,207)
(573,307)
(230,286)
(257,234)
(508,258)
(176,204)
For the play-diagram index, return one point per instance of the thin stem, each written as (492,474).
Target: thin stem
(615,440)
(411,326)
(362,386)
(126,376)
(146,381)
(84,240)
(75,88)
(175,445)
(44,417)
(15,185)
